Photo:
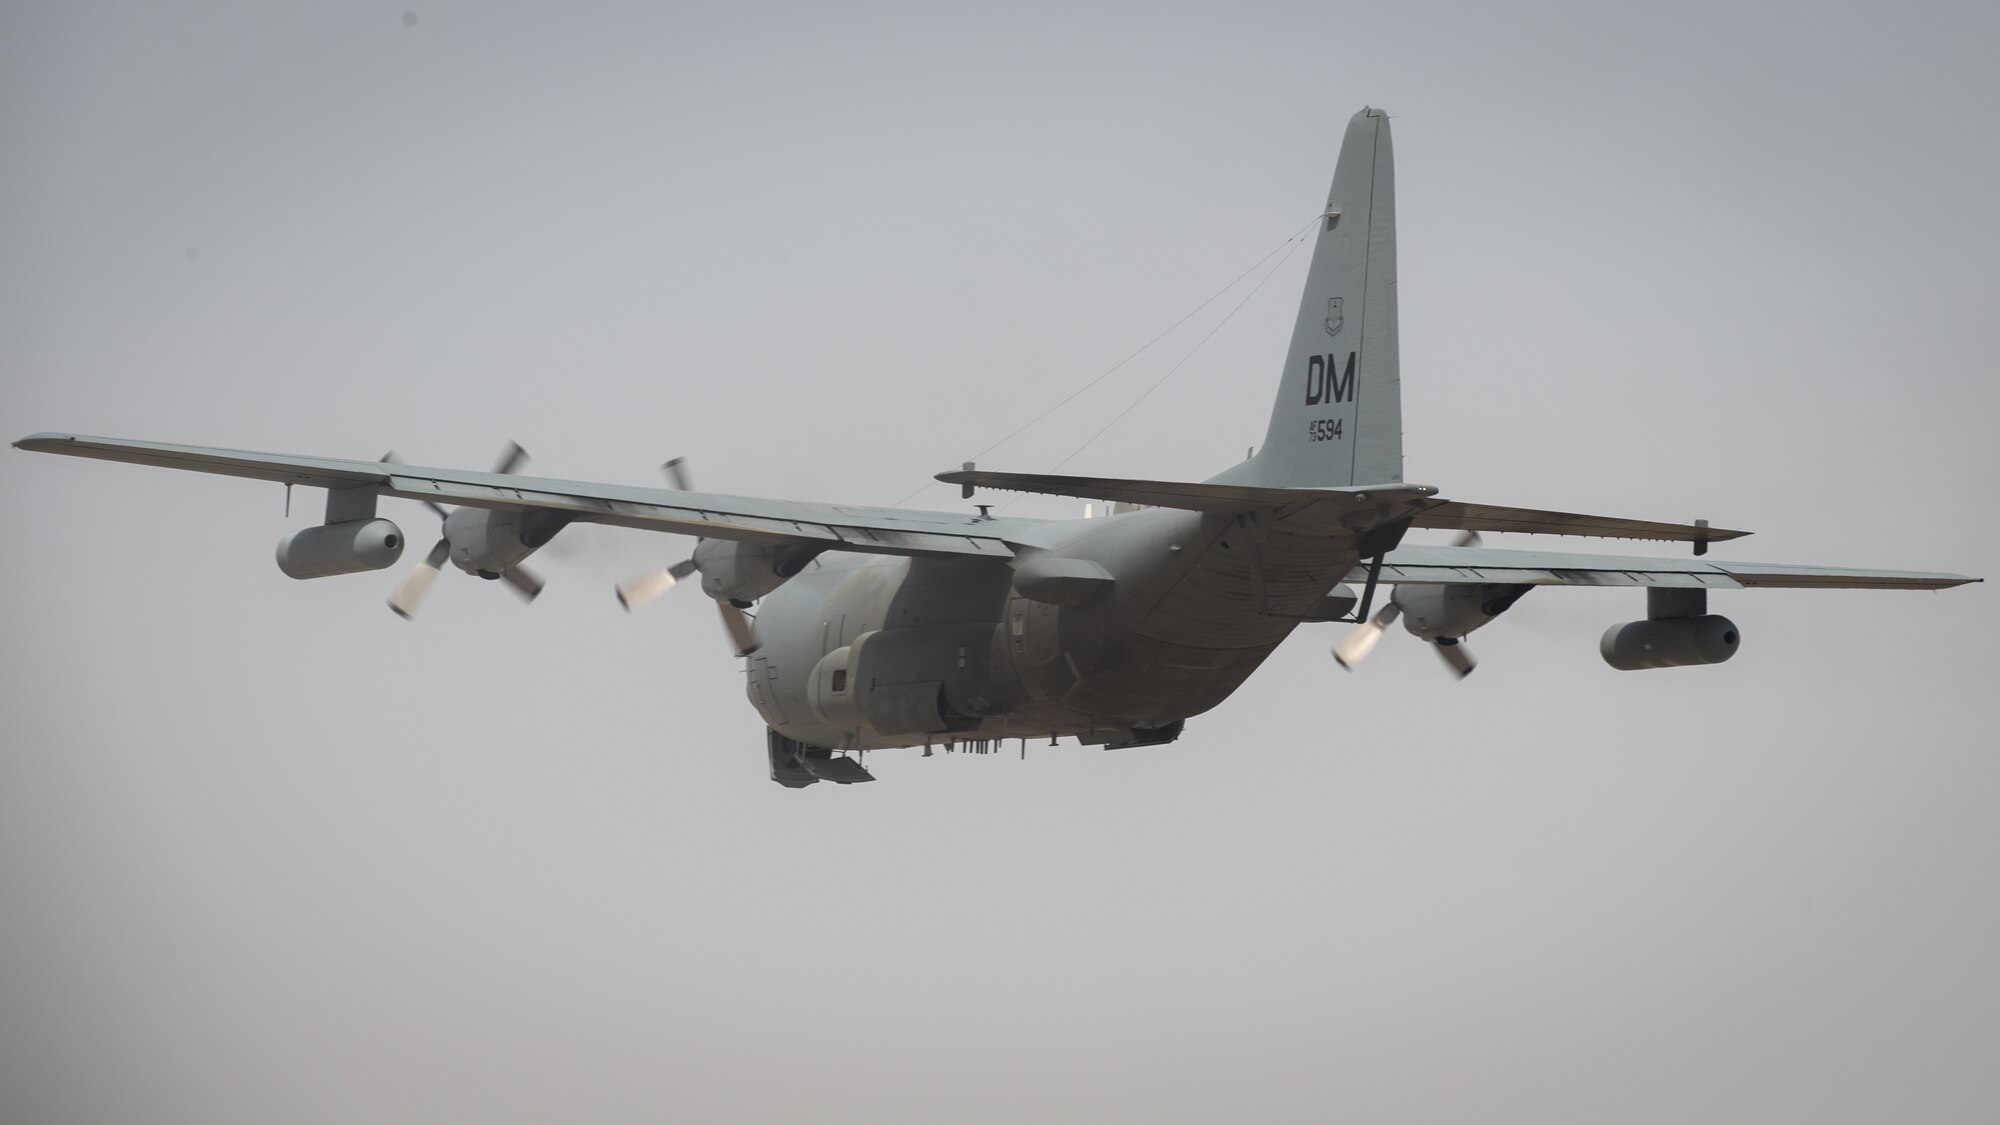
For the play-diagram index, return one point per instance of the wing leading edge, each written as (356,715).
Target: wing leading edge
(894,531)
(1447,566)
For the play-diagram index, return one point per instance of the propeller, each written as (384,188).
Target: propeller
(1456,656)
(635,592)
(411,590)
(741,627)
(1355,647)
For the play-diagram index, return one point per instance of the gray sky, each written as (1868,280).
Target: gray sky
(268,853)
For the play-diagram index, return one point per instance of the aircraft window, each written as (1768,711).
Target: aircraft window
(839,680)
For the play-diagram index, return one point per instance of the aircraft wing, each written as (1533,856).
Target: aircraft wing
(1480,565)
(894,531)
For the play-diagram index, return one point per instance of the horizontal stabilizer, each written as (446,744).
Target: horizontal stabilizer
(1174,494)
(1449,514)
(1454,516)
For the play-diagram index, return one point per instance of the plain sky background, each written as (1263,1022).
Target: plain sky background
(268,853)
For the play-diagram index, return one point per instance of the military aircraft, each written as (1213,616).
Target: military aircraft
(888,627)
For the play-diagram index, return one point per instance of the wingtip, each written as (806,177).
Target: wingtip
(37,443)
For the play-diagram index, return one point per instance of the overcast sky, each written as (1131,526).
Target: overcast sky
(268,853)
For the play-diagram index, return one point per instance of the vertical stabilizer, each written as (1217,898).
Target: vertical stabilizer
(1339,415)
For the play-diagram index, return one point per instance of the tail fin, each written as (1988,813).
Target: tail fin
(1339,415)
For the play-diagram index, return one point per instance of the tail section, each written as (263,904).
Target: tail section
(1339,415)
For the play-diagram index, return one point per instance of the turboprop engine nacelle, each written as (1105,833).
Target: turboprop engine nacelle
(349,547)
(490,541)
(1450,612)
(741,572)
(1675,642)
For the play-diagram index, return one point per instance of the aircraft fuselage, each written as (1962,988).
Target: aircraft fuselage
(859,649)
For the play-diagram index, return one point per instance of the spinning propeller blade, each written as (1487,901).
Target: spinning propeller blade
(1356,646)
(524,581)
(635,592)
(511,460)
(742,630)
(1456,657)
(410,592)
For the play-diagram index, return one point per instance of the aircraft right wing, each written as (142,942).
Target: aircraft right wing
(892,531)
(1481,565)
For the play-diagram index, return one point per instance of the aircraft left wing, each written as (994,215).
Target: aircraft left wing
(893,531)
(1482,565)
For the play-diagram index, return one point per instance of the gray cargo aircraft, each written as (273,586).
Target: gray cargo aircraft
(887,627)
